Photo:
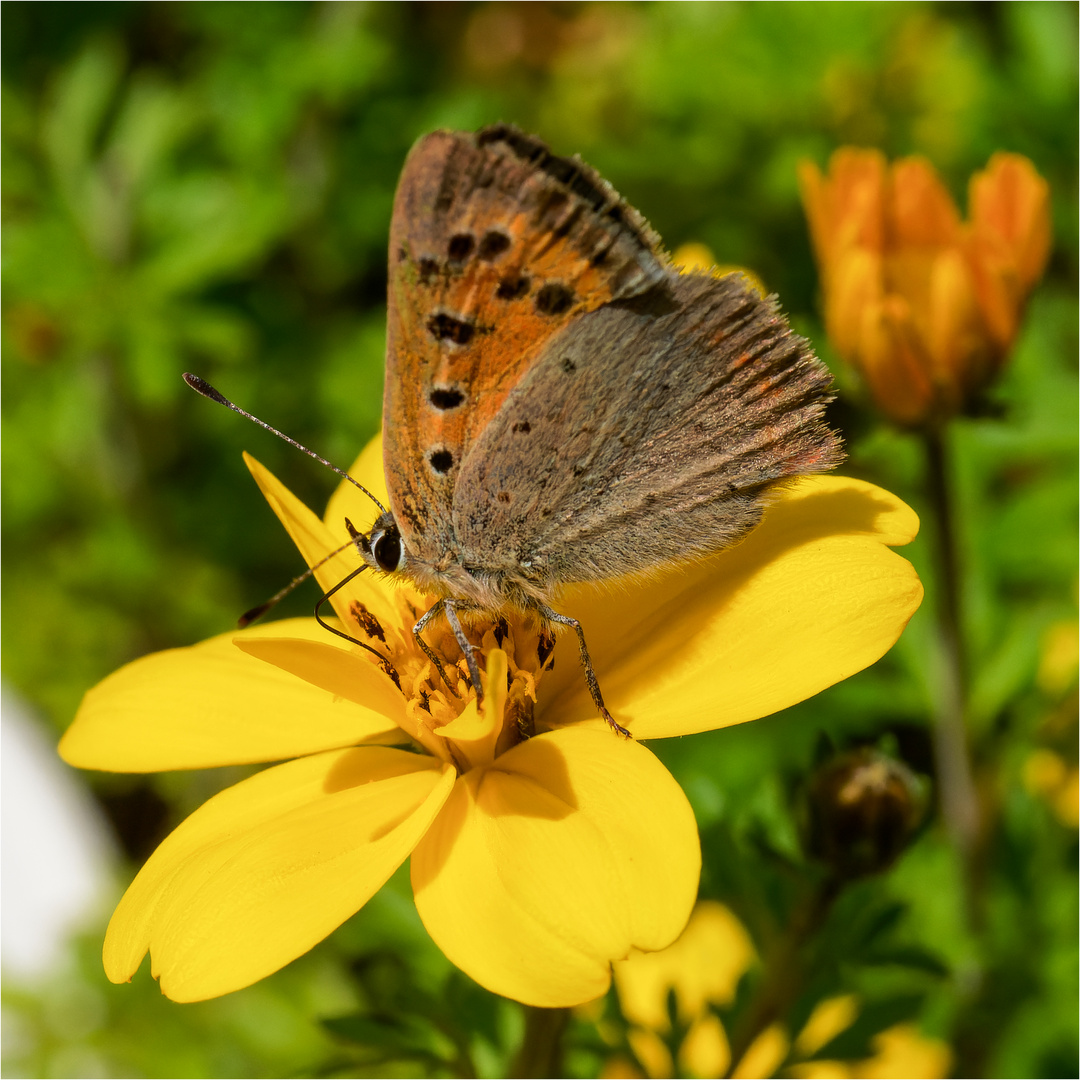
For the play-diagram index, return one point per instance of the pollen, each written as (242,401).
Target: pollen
(443,715)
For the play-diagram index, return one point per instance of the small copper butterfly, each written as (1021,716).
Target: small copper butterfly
(561,404)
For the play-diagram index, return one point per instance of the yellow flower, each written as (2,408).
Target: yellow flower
(543,846)
(703,967)
(698,258)
(902,1052)
(1047,775)
(924,305)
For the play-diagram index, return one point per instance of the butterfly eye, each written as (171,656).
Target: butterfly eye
(387,550)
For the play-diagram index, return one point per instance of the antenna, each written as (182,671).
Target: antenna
(201,386)
(258,612)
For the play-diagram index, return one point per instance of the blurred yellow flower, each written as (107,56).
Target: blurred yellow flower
(543,847)
(1047,775)
(697,258)
(703,968)
(901,1052)
(924,305)
(1058,659)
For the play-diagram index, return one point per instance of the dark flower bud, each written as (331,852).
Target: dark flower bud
(863,809)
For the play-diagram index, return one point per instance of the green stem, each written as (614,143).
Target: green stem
(540,1054)
(959,800)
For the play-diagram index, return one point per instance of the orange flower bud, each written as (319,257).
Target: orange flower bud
(925,306)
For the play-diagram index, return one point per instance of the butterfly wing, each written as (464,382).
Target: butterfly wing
(496,246)
(644,433)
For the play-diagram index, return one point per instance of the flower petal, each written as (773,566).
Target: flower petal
(209,705)
(922,210)
(269,867)
(315,541)
(705,965)
(350,502)
(475,730)
(573,848)
(811,596)
(1009,203)
(893,359)
(342,672)
(845,209)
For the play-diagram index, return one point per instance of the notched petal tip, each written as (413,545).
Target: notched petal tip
(536,904)
(266,869)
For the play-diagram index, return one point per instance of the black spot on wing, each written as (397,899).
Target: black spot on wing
(493,243)
(554,299)
(460,247)
(446,327)
(441,460)
(513,287)
(446,397)
(427,270)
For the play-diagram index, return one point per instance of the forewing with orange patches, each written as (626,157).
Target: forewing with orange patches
(495,246)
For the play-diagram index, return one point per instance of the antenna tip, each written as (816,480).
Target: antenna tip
(250,616)
(201,386)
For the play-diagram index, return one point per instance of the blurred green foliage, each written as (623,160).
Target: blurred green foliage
(207,187)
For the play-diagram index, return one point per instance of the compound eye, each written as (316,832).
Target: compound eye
(387,550)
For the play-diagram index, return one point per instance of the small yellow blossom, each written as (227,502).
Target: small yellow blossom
(1058,660)
(697,258)
(1047,775)
(924,305)
(829,1019)
(901,1052)
(703,968)
(543,847)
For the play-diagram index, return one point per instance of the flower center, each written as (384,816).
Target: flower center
(442,714)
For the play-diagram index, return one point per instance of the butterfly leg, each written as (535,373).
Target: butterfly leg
(467,648)
(429,652)
(551,615)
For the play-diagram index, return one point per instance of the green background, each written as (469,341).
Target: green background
(207,187)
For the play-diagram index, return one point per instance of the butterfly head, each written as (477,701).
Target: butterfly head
(382,548)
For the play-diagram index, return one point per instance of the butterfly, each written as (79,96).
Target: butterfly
(563,405)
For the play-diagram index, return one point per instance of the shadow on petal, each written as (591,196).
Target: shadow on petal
(349,675)
(357,767)
(531,781)
(540,784)
(651,619)
(536,905)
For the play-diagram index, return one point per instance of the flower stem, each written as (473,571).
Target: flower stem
(959,801)
(540,1053)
